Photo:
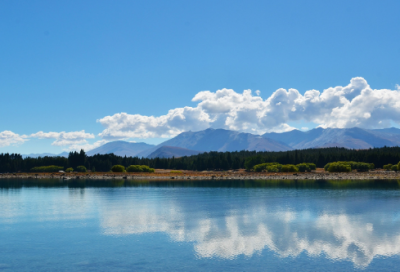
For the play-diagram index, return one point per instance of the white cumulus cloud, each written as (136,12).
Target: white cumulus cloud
(123,125)
(8,138)
(354,105)
(64,138)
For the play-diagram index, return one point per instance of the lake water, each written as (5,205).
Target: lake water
(48,225)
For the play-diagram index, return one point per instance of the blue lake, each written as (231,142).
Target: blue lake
(187,226)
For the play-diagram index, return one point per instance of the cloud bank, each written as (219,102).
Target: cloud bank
(74,139)
(8,138)
(354,105)
(64,138)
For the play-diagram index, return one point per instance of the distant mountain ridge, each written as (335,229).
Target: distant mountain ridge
(37,155)
(220,140)
(172,151)
(191,143)
(120,148)
(353,138)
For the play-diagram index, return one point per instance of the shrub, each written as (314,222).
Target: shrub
(387,166)
(81,168)
(289,168)
(326,167)
(147,169)
(352,164)
(70,169)
(312,166)
(263,166)
(134,168)
(339,167)
(273,168)
(394,168)
(303,167)
(176,172)
(139,168)
(259,167)
(50,168)
(363,167)
(359,166)
(118,168)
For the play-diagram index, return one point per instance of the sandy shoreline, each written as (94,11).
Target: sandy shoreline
(210,175)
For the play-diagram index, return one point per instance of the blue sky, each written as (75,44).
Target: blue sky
(66,64)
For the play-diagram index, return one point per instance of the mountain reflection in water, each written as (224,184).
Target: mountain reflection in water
(356,224)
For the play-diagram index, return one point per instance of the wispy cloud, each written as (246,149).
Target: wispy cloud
(73,140)
(64,138)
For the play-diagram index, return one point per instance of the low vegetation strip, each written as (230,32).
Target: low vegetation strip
(347,166)
(47,169)
(340,166)
(139,168)
(275,167)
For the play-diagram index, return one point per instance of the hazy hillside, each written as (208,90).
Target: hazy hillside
(220,140)
(390,134)
(172,151)
(121,148)
(190,143)
(36,155)
(355,138)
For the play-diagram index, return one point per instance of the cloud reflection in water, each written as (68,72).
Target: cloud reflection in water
(251,228)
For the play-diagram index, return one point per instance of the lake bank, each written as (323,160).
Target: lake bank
(160,174)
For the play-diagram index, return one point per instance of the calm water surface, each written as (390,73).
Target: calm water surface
(212,226)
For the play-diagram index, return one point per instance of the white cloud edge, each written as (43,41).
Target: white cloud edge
(73,140)
(353,105)
(8,138)
(64,138)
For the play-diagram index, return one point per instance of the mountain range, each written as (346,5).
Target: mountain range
(352,138)
(36,155)
(192,143)
(219,140)
(172,151)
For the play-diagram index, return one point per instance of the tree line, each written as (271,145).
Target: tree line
(206,161)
